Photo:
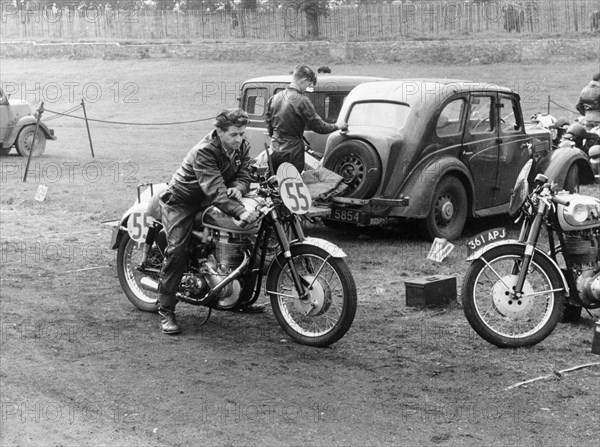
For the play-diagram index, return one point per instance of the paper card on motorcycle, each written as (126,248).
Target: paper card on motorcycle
(293,191)
(440,249)
(138,224)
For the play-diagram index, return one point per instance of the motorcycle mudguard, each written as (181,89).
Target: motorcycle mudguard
(560,162)
(481,251)
(329,247)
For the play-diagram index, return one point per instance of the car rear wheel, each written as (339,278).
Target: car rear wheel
(448,212)
(359,165)
(25,139)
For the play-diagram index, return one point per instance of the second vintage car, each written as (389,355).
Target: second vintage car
(17,127)
(438,151)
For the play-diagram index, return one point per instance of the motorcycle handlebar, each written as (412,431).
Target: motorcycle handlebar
(560,201)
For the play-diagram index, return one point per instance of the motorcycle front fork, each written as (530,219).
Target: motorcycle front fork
(532,233)
(287,254)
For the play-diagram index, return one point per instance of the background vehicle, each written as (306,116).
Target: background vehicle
(18,126)
(453,147)
(312,291)
(327,97)
(513,292)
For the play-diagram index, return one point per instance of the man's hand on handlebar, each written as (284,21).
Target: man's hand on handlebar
(342,127)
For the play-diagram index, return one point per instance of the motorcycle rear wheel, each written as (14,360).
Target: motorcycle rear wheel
(328,312)
(129,257)
(505,321)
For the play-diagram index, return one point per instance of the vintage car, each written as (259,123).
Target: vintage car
(438,151)
(327,97)
(18,127)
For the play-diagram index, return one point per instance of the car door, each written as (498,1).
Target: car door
(480,147)
(513,151)
(4,116)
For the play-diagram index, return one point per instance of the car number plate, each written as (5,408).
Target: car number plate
(345,215)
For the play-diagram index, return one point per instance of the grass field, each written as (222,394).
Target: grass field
(401,376)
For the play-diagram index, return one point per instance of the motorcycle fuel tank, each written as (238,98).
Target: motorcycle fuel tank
(216,219)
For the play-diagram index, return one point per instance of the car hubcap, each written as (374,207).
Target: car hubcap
(350,168)
(445,210)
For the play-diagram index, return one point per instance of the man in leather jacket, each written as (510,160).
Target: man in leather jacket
(216,172)
(589,102)
(289,112)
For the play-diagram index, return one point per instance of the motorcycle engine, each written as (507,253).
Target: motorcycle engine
(227,255)
(582,248)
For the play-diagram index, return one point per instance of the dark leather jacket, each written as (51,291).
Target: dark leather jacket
(206,173)
(289,113)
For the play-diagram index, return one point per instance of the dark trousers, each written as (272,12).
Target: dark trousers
(178,221)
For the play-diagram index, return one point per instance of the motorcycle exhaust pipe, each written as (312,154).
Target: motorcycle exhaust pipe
(149,284)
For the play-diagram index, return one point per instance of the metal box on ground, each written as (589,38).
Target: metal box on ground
(436,290)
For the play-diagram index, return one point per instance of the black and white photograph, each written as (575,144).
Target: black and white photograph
(299,223)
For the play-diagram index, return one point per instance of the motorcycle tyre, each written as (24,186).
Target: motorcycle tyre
(482,328)
(124,246)
(349,300)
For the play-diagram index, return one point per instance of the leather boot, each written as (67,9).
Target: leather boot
(168,323)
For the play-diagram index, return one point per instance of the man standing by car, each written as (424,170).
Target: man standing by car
(216,172)
(289,112)
(589,102)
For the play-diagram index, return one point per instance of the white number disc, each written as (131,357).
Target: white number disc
(138,224)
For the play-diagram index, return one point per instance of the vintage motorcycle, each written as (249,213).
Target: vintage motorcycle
(311,289)
(514,293)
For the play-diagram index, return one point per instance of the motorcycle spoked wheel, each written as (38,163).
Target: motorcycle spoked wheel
(129,257)
(329,311)
(506,322)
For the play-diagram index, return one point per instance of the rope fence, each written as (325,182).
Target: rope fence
(69,113)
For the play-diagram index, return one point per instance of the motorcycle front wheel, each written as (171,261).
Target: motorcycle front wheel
(328,312)
(499,317)
(130,271)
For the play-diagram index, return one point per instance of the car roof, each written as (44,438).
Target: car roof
(417,90)
(324,80)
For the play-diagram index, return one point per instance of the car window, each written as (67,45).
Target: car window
(481,118)
(510,119)
(379,114)
(255,100)
(449,121)
(333,105)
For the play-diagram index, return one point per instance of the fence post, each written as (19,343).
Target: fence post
(87,126)
(37,127)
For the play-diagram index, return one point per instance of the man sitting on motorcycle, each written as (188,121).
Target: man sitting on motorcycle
(216,172)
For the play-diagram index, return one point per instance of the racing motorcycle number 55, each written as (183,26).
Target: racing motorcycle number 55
(311,289)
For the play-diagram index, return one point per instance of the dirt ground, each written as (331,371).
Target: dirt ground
(81,366)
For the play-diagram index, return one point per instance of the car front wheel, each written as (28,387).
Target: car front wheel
(25,139)
(448,212)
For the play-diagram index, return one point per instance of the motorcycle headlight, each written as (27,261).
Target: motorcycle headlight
(580,212)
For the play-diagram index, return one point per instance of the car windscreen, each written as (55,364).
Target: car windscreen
(388,114)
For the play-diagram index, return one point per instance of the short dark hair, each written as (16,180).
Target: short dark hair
(324,69)
(231,117)
(596,77)
(305,72)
